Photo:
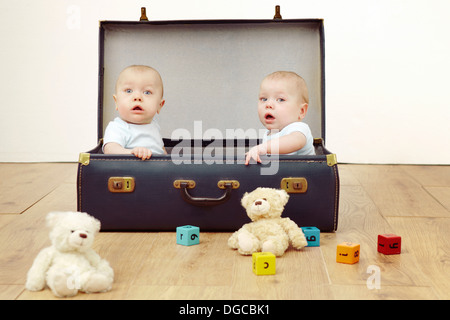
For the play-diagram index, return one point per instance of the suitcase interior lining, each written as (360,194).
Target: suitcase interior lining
(212,70)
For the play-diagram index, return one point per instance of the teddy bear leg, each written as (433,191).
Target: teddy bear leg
(62,284)
(276,245)
(96,282)
(247,243)
(299,240)
(233,241)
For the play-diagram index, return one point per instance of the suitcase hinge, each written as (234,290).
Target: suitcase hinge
(84,158)
(143,14)
(331,159)
(277,15)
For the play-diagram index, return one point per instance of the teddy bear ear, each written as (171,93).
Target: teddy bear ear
(53,218)
(284,196)
(93,221)
(244,200)
(96,223)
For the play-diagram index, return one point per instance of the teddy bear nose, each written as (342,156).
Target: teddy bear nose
(83,235)
(258,203)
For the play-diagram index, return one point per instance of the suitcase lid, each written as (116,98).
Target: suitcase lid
(212,69)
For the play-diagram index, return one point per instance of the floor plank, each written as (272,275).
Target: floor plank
(22,238)
(22,185)
(396,193)
(427,240)
(441,195)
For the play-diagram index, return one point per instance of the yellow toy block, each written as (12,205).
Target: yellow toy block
(263,263)
(348,252)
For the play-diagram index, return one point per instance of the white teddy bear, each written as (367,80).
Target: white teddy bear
(268,232)
(70,264)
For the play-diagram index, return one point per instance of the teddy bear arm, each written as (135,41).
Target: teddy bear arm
(294,232)
(36,276)
(100,264)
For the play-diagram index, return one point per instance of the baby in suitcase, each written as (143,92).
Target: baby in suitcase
(282,105)
(138,98)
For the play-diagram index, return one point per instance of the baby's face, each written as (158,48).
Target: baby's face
(138,95)
(279,104)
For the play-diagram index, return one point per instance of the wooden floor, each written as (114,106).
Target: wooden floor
(411,201)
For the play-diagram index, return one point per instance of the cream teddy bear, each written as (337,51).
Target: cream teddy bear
(267,232)
(70,264)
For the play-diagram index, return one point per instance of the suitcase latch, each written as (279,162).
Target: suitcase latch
(121,184)
(294,185)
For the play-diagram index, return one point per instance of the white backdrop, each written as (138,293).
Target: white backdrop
(387,66)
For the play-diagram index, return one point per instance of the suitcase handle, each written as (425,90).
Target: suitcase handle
(204,202)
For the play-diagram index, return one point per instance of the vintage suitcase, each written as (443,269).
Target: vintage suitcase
(211,72)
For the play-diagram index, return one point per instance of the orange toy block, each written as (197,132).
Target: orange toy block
(348,252)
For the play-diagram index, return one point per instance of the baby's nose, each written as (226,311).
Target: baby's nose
(137,96)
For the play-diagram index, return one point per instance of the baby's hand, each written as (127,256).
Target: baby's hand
(141,152)
(254,153)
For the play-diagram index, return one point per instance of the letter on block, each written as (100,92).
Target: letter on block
(312,235)
(348,252)
(188,235)
(389,244)
(263,263)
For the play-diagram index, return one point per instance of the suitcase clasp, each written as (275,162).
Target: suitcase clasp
(294,185)
(121,184)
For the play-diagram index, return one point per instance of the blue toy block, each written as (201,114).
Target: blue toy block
(188,235)
(312,235)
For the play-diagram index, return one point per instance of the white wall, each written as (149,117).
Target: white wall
(387,67)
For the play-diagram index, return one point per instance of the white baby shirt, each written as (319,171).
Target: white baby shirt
(130,135)
(302,127)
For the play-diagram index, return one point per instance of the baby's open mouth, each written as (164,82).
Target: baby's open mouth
(137,108)
(268,116)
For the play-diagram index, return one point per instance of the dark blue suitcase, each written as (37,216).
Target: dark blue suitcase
(203,63)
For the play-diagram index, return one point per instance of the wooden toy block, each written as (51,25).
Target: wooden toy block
(312,235)
(348,252)
(188,235)
(389,244)
(263,263)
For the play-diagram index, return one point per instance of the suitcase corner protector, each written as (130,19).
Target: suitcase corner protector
(84,158)
(331,159)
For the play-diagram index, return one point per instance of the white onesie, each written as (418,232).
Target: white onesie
(302,127)
(130,135)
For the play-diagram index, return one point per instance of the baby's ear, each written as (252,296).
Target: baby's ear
(302,111)
(53,218)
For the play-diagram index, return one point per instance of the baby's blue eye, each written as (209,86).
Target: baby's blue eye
(263,99)
(281,100)
(128,90)
(147,92)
